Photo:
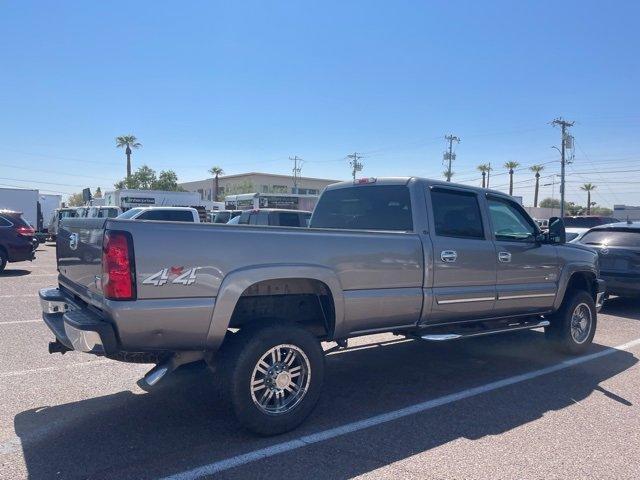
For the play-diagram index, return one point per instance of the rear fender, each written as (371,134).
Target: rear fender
(235,283)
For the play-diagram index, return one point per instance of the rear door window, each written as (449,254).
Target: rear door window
(288,219)
(456,213)
(222,217)
(612,238)
(4,222)
(370,207)
(244,218)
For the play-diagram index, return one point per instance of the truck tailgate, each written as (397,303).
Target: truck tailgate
(79,252)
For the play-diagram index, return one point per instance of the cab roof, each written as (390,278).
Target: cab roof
(427,182)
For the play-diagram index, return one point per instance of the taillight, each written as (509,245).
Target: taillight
(25,231)
(118,276)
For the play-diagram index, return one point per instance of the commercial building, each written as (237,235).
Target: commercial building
(624,212)
(255,182)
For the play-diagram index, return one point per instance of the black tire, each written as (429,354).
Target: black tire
(238,364)
(568,340)
(3,260)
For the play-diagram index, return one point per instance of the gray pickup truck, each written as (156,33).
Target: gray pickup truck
(424,259)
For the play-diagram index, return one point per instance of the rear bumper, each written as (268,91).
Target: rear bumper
(77,327)
(602,288)
(23,251)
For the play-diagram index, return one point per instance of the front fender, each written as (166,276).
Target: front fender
(235,283)
(568,270)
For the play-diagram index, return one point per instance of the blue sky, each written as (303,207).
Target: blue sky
(245,85)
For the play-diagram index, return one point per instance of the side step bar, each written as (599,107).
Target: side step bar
(443,337)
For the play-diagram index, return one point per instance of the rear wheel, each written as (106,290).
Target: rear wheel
(573,327)
(273,376)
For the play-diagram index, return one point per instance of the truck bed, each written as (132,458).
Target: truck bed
(179,265)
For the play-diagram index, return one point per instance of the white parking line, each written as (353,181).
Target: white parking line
(13,322)
(18,373)
(20,296)
(239,460)
(30,275)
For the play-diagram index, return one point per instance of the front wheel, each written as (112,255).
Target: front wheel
(274,374)
(573,327)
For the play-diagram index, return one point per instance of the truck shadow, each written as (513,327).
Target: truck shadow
(14,272)
(183,424)
(622,307)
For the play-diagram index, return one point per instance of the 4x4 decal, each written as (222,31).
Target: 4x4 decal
(173,275)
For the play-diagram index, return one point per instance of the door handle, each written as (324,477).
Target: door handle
(448,256)
(504,257)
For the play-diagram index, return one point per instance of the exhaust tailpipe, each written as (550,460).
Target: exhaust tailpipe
(57,347)
(157,373)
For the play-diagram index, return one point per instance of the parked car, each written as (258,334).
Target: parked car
(275,217)
(17,240)
(618,247)
(223,216)
(58,215)
(106,211)
(167,214)
(429,260)
(577,225)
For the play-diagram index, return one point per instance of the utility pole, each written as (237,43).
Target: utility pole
(355,163)
(297,168)
(565,139)
(488,174)
(450,156)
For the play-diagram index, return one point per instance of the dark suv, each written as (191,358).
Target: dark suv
(17,239)
(276,217)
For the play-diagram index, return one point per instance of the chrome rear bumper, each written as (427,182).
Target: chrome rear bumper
(74,326)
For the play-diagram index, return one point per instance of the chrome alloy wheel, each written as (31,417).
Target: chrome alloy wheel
(280,379)
(581,322)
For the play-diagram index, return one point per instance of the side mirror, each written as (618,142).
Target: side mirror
(557,233)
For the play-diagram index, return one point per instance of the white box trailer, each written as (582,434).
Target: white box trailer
(126,199)
(48,204)
(21,200)
(250,201)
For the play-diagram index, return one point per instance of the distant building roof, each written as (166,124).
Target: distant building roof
(280,175)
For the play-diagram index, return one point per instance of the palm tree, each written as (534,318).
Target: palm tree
(511,166)
(489,170)
(588,187)
(128,142)
(216,171)
(536,169)
(484,168)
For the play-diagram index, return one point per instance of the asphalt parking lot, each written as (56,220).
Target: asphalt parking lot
(500,407)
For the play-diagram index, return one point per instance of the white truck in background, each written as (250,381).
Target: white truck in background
(21,200)
(127,199)
(48,205)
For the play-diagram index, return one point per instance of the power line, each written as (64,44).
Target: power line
(355,163)
(297,168)
(565,139)
(450,156)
